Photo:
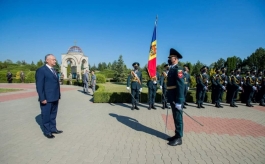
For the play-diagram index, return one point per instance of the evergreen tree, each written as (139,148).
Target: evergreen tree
(40,63)
(119,70)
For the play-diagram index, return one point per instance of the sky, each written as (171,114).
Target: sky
(203,30)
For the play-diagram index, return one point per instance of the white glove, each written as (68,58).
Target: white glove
(140,89)
(128,88)
(257,82)
(154,82)
(240,88)
(205,88)
(241,82)
(206,81)
(178,106)
(160,87)
(223,87)
(254,88)
(188,88)
(225,82)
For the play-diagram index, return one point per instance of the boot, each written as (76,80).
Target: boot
(216,105)
(199,105)
(232,105)
(220,105)
(186,103)
(202,106)
(136,107)
(153,107)
(184,106)
(235,105)
(132,108)
(149,107)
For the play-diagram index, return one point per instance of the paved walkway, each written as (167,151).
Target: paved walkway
(112,133)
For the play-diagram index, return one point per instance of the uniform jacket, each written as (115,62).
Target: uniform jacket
(187,79)
(47,85)
(133,80)
(176,79)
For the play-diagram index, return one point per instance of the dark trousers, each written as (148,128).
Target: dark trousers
(221,95)
(178,120)
(185,92)
(200,94)
(48,114)
(232,96)
(249,95)
(135,94)
(217,94)
(151,95)
(164,96)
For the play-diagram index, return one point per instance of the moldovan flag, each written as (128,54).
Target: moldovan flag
(151,66)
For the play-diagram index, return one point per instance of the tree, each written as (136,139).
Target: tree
(94,67)
(18,62)
(196,68)
(120,72)
(109,66)
(8,61)
(113,66)
(40,63)
(231,63)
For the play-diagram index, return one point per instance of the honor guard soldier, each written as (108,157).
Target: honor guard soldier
(152,88)
(259,88)
(239,82)
(163,86)
(262,92)
(175,92)
(202,86)
(135,81)
(218,89)
(229,88)
(255,91)
(234,86)
(214,85)
(187,82)
(223,82)
(248,88)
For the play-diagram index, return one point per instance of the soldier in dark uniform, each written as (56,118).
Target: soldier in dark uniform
(229,88)
(214,85)
(234,86)
(223,82)
(202,86)
(9,77)
(262,92)
(239,81)
(187,82)
(163,86)
(152,88)
(259,88)
(248,88)
(218,89)
(135,81)
(255,79)
(175,92)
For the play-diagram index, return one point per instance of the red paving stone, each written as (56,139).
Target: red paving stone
(219,126)
(260,108)
(25,95)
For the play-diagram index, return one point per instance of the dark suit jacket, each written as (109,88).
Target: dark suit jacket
(47,85)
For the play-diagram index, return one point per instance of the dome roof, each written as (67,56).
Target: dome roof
(75,49)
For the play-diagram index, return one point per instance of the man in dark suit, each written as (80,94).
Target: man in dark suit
(48,88)
(135,81)
(176,97)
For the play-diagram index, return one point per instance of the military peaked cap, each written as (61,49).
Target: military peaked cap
(175,53)
(135,64)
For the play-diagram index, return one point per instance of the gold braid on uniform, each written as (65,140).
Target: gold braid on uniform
(135,78)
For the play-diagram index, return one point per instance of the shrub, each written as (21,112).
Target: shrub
(100,78)
(30,77)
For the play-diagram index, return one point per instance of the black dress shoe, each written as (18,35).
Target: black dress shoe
(217,106)
(58,132)
(50,136)
(235,105)
(175,142)
(232,105)
(132,108)
(261,104)
(149,107)
(136,107)
(153,107)
(186,103)
(202,106)
(171,138)
(184,107)
(199,106)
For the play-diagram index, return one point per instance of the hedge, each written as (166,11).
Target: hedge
(100,96)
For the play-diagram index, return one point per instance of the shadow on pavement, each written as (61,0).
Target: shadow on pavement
(134,124)
(39,121)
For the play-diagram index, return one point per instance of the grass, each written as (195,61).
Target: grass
(121,87)
(5,90)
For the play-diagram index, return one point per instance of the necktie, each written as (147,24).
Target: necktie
(53,71)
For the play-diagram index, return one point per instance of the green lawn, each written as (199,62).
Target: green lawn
(120,87)
(4,90)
